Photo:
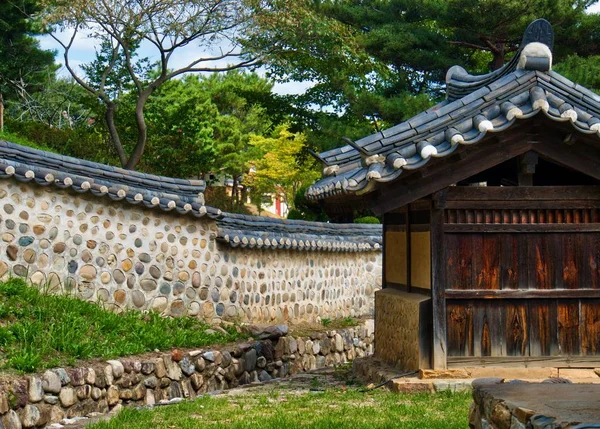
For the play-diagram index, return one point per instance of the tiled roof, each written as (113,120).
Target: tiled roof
(475,106)
(261,232)
(184,197)
(47,169)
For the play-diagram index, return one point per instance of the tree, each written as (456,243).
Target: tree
(275,166)
(23,64)
(167,26)
(412,44)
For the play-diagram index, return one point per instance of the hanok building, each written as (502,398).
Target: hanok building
(490,204)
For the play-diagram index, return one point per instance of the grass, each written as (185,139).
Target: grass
(40,330)
(14,138)
(322,410)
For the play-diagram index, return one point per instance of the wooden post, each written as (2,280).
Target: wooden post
(438,280)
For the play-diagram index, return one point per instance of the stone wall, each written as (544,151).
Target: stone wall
(129,256)
(34,401)
(403,324)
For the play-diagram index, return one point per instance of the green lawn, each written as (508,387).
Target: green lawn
(332,409)
(39,330)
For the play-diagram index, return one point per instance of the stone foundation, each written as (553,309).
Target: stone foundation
(403,324)
(37,400)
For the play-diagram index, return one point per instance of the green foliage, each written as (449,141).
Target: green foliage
(274,165)
(39,330)
(367,219)
(24,65)
(326,321)
(83,141)
(305,209)
(329,409)
(582,70)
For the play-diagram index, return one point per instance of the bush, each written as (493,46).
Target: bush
(366,219)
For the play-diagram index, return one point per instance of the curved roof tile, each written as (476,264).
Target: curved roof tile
(476,106)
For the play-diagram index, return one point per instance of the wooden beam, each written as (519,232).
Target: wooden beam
(527,163)
(522,294)
(524,204)
(486,155)
(524,361)
(579,157)
(521,227)
(438,286)
(527,193)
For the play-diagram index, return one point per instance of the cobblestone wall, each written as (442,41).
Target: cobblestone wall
(34,401)
(128,256)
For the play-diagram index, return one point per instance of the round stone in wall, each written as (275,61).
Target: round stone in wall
(126,265)
(8,208)
(220,309)
(138,298)
(10,224)
(86,256)
(44,244)
(77,240)
(120,296)
(178,288)
(39,229)
(105,277)
(138,242)
(131,281)
(88,272)
(203,293)
(59,247)
(25,241)
(144,257)
(148,284)
(196,279)
(29,256)
(190,293)
(215,295)
(103,295)
(155,272)
(178,308)
(38,278)
(139,268)
(159,303)
(20,270)
(100,261)
(85,290)
(165,288)
(119,276)
(7,237)
(42,261)
(194,308)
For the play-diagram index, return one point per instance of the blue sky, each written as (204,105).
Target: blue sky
(83,51)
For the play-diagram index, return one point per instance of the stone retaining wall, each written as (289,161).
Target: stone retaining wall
(129,256)
(34,401)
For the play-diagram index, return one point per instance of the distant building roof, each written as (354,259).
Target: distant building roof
(475,106)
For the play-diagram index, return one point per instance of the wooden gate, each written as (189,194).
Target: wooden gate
(522,276)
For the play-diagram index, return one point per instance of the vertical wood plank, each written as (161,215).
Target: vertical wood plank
(568,327)
(590,327)
(460,328)
(459,255)
(543,328)
(541,261)
(571,257)
(516,329)
(509,262)
(592,259)
(438,286)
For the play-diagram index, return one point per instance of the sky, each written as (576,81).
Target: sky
(83,51)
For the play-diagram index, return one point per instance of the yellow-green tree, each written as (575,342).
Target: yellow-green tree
(275,165)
